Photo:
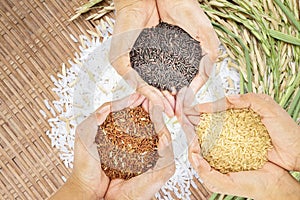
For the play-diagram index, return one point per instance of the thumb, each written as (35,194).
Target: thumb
(200,165)
(212,179)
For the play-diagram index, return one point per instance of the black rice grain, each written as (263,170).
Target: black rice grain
(166,57)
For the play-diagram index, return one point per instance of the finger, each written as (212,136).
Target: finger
(195,120)
(144,11)
(138,101)
(189,98)
(206,69)
(194,146)
(134,80)
(189,130)
(121,43)
(216,106)
(212,179)
(262,104)
(168,108)
(186,125)
(157,98)
(102,112)
(170,98)
(145,105)
(179,103)
(126,102)
(156,116)
(199,27)
(87,130)
(165,151)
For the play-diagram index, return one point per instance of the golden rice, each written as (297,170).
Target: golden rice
(233,140)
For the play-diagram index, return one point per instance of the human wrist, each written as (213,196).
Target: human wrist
(162,175)
(72,190)
(74,185)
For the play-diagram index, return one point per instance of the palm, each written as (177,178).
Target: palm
(87,169)
(131,17)
(188,15)
(146,185)
(285,134)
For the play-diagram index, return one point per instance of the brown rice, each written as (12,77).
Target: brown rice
(233,140)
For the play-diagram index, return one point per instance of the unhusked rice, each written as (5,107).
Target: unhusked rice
(233,140)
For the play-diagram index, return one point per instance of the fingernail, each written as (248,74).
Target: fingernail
(196,159)
(233,97)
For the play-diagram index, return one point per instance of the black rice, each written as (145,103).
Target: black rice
(166,57)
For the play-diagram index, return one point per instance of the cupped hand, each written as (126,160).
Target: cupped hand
(284,132)
(87,172)
(87,180)
(188,15)
(147,184)
(131,17)
(87,168)
(269,182)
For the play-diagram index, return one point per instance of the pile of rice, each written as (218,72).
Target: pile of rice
(233,140)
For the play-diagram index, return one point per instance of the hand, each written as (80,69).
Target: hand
(147,184)
(188,15)
(270,182)
(87,180)
(132,16)
(284,132)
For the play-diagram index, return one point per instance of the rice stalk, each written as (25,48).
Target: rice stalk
(269,47)
(284,37)
(289,14)
(213,196)
(295,102)
(228,197)
(89,6)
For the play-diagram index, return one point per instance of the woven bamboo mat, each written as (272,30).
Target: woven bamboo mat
(35,41)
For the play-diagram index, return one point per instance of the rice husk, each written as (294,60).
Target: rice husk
(233,140)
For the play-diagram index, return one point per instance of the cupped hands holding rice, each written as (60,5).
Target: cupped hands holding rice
(233,140)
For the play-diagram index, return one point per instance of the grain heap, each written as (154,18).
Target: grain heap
(233,140)
(127,143)
(166,57)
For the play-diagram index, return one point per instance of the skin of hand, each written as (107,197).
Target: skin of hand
(284,132)
(188,15)
(269,182)
(147,184)
(87,181)
(131,17)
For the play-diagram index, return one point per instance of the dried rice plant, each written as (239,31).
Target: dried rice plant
(264,39)
(102,10)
